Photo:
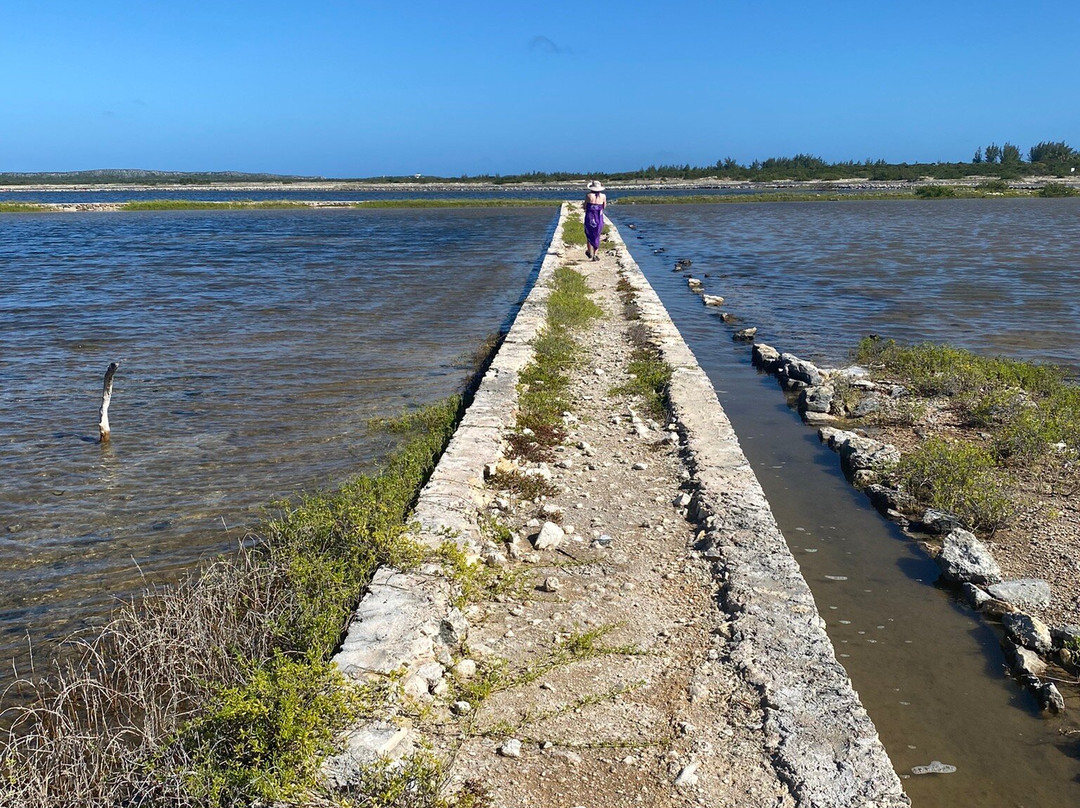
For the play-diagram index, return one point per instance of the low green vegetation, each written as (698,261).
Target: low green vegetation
(933,369)
(21,207)
(1022,419)
(650,377)
(545,381)
(957,477)
(1056,189)
(219,691)
(936,192)
(459,203)
(765,196)
(195,204)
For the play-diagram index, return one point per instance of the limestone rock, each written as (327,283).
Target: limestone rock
(964,558)
(866,406)
(454,628)
(712,300)
(816,399)
(765,356)
(1066,635)
(884,498)
(934,767)
(800,370)
(1050,698)
(975,597)
(549,537)
(511,748)
(551,584)
(688,776)
(465,669)
(940,522)
(1028,631)
(1024,593)
(744,334)
(1024,661)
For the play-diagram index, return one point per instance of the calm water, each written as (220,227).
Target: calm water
(996,276)
(814,278)
(255,347)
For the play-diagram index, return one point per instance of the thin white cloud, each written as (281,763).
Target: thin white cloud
(543,44)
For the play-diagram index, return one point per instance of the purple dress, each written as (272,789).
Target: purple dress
(594,223)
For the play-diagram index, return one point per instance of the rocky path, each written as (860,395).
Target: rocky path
(610,682)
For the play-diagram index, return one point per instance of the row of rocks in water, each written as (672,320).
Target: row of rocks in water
(965,562)
(715,301)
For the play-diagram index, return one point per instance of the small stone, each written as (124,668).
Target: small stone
(511,748)
(1025,662)
(551,584)
(683,500)
(639,467)
(550,536)
(940,522)
(934,767)
(464,669)
(551,511)
(1028,631)
(688,776)
(461,708)
(1050,698)
(974,596)
(565,463)
(744,335)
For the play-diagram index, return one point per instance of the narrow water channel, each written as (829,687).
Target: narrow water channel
(929,671)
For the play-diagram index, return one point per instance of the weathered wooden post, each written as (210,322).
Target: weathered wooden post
(106,397)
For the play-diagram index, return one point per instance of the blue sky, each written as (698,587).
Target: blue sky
(354,88)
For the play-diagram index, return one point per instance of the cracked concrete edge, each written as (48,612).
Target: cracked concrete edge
(400,625)
(823,743)
(450,503)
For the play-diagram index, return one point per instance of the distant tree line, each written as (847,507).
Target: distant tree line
(1048,158)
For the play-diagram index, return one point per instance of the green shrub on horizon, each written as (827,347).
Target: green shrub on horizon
(935,192)
(1056,189)
(197,204)
(22,207)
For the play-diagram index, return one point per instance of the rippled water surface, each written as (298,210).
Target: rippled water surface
(255,348)
(993,275)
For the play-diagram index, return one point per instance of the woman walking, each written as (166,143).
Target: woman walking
(595,201)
